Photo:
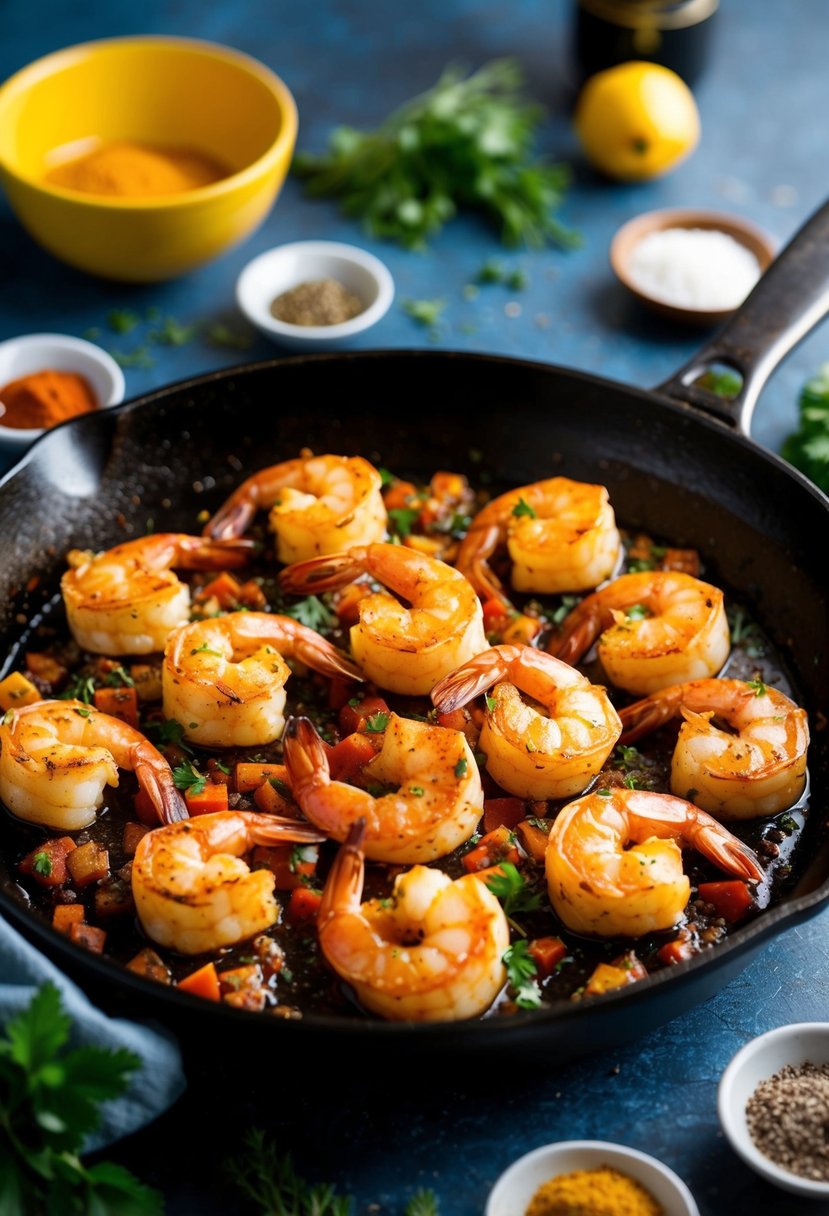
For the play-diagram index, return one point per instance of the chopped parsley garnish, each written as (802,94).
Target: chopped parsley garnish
(271,1182)
(79,688)
(758,687)
(521,975)
(627,757)
(491,702)
(568,603)
(425,312)
(512,889)
(402,520)
(84,713)
(167,730)
(119,678)
(377,723)
(280,786)
(523,508)
(187,777)
(422,1203)
(205,649)
(223,768)
(637,612)
(417,790)
(461,767)
(42,864)
(313,612)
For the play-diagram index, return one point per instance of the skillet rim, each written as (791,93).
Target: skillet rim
(746,939)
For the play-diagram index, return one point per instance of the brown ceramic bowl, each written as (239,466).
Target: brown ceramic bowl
(760,243)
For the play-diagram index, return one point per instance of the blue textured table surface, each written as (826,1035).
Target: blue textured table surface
(762,155)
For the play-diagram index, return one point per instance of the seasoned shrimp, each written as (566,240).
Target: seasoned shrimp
(318,504)
(224,679)
(57,757)
(127,599)
(561,535)
(431,953)
(530,753)
(759,770)
(614,860)
(657,627)
(438,801)
(194,892)
(404,647)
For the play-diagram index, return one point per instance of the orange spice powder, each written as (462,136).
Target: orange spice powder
(45,398)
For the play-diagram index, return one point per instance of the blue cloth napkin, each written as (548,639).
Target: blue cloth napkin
(152,1088)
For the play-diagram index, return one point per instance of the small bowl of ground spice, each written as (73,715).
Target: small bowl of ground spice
(48,378)
(573,1177)
(773,1103)
(314,294)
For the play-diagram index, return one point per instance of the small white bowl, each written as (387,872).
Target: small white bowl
(57,352)
(761,1058)
(280,269)
(517,1185)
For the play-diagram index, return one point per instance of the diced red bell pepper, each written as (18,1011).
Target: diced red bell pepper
(210,799)
(304,904)
(355,717)
(119,703)
(677,951)
(494,847)
(225,588)
(46,864)
(203,983)
(348,758)
(546,953)
(731,898)
(289,870)
(496,614)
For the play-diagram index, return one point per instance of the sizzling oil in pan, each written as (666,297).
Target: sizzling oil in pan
(282,972)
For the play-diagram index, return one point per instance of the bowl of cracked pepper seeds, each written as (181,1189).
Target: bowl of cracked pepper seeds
(773,1104)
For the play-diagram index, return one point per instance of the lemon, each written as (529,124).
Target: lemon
(636,120)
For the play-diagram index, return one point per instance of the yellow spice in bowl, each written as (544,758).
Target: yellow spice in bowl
(598,1192)
(133,170)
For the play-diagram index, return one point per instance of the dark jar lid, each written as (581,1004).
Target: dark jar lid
(674,33)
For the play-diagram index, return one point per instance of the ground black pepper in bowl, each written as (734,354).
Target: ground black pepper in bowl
(788,1119)
(317,302)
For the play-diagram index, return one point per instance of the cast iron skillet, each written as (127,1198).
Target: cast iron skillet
(678,463)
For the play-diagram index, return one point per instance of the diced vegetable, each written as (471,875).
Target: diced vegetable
(495,613)
(211,798)
(224,588)
(203,983)
(606,977)
(113,897)
(360,716)
(147,680)
(270,799)
(16,690)
(677,951)
(252,596)
(348,758)
(247,998)
(304,904)
(493,847)
(339,692)
(249,776)
(546,953)
(147,963)
(144,809)
(503,812)
(45,667)
(244,987)
(731,898)
(119,703)
(89,936)
(533,840)
(133,832)
(521,630)
(66,915)
(399,495)
(347,602)
(46,863)
(88,863)
(291,865)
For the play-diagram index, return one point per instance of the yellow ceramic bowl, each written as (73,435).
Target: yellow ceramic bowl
(162,91)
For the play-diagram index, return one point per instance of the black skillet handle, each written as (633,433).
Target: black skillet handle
(787,302)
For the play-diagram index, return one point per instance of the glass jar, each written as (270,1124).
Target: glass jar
(675,33)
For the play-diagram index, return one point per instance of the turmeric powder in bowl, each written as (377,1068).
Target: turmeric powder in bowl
(124,169)
(45,398)
(595,1192)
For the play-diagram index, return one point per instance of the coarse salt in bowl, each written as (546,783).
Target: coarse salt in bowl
(695,267)
(761,1058)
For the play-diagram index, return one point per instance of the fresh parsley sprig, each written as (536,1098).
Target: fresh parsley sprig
(517,896)
(272,1183)
(187,777)
(807,447)
(466,143)
(49,1102)
(522,971)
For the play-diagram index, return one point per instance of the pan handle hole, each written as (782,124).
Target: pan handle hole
(721,380)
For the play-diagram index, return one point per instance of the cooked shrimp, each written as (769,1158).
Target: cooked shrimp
(318,504)
(194,892)
(614,860)
(561,535)
(438,801)
(127,599)
(657,627)
(534,754)
(224,679)
(759,770)
(57,757)
(431,953)
(404,647)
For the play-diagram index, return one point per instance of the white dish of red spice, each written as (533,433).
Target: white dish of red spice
(773,1103)
(33,353)
(314,295)
(516,1187)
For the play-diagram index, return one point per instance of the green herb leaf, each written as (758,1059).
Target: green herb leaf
(425,312)
(521,975)
(402,519)
(187,777)
(423,1203)
(122,320)
(523,508)
(377,723)
(205,649)
(637,612)
(79,688)
(313,612)
(461,767)
(807,447)
(223,335)
(42,864)
(758,687)
(167,731)
(513,890)
(272,1184)
(467,143)
(119,678)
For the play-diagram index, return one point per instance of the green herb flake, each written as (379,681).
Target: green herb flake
(377,723)
(461,768)
(402,520)
(119,678)
(122,320)
(417,790)
(205,649)
(758,687)
(42,864)
(222,335)
(187,777)
(523,508)
(512,889)
(491,703)
(637,612)
(521,975)
(270,1181)
(425,312)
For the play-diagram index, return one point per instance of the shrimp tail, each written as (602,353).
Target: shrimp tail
(479,545)
(577,634)
(648,714)
(461,686)
(230,521)
(305,756)
(198,553)
(156,780)
(344,885)
(321,656)
(272,829)
(325,573)
(718,844)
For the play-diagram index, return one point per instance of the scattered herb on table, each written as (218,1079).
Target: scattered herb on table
(468,142)
(49,1102)
(807,448)
(423,1203)
(271,1181)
